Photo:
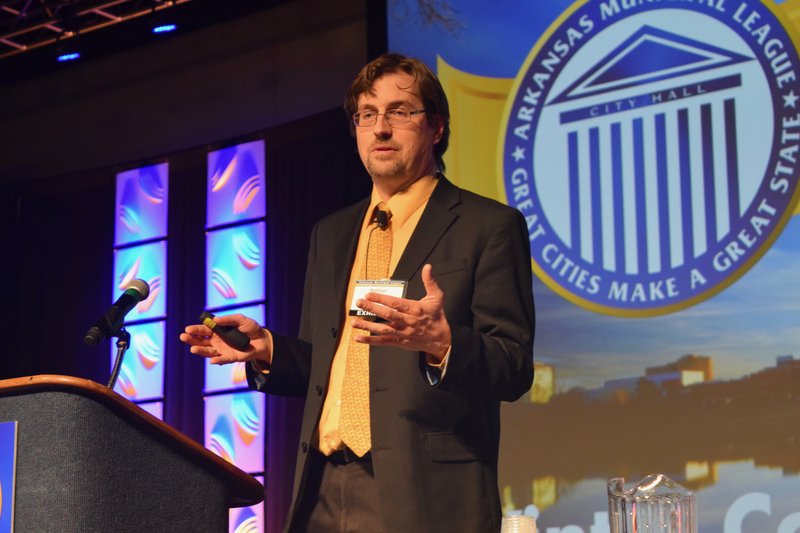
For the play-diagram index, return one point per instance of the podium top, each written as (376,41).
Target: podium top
(243,489)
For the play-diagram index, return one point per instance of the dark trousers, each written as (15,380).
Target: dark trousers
(340,497)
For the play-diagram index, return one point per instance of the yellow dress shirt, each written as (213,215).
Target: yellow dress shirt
(406,207)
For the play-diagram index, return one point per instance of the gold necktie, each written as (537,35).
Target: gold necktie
(354,426)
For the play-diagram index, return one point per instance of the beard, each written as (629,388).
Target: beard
(386,168)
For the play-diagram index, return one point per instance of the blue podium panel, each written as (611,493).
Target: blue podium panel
(8,462)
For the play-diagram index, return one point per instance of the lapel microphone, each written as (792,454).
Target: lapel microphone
(381,218)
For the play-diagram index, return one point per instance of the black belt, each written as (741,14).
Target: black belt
(346,456)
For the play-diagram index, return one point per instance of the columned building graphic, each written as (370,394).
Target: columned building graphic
(650,134)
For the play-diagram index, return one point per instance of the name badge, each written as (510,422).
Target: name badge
(391,287)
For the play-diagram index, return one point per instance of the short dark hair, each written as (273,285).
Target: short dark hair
(433,98)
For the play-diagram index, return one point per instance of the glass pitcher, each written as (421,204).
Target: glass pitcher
(518,524)
(656,504)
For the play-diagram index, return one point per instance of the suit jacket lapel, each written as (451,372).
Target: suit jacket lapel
(346,242)
(437,217)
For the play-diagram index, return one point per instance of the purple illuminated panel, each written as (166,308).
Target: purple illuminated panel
(247,519)
(154,408)
(236,184)
(147,262)
(232,376)
(141,204)
(141,376)
(234,428)
(235,265)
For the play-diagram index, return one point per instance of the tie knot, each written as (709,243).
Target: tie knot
(381,215)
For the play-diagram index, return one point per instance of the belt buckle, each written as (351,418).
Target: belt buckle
(345,456)
(348,456)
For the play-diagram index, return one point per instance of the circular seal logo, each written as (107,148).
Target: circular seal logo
(653,148)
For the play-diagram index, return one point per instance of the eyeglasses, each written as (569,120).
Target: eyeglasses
(395,117)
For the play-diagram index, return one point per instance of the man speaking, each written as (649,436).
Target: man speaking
(417,321)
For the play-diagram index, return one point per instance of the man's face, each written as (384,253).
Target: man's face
(396,156)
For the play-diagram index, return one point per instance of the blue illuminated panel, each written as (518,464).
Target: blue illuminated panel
(235,265)
(236,283)
(234,428)
(236,184)
(154,408)
(141,376)
(232,376)
(247,519)
(141,204)
(147,262)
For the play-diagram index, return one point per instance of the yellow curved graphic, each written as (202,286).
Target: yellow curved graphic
(792,9)
(476,109)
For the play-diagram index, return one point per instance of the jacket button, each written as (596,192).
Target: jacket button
(334,332)
(319,390)
(304,447)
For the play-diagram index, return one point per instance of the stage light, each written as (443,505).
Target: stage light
(165,28)
(163,19)
(68,56)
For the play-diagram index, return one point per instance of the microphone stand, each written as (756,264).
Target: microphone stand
(123,343)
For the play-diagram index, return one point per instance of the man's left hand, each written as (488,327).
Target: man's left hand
(417,325)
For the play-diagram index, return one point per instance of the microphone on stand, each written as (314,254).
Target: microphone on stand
(108,324)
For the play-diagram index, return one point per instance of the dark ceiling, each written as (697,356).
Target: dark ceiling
(33,33)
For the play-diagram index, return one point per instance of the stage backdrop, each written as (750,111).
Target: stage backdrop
(653,147)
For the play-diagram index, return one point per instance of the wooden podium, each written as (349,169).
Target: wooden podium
(89,460)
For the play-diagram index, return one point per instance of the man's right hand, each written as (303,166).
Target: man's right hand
(203,342)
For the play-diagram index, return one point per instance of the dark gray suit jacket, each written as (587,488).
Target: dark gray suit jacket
(434,447)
